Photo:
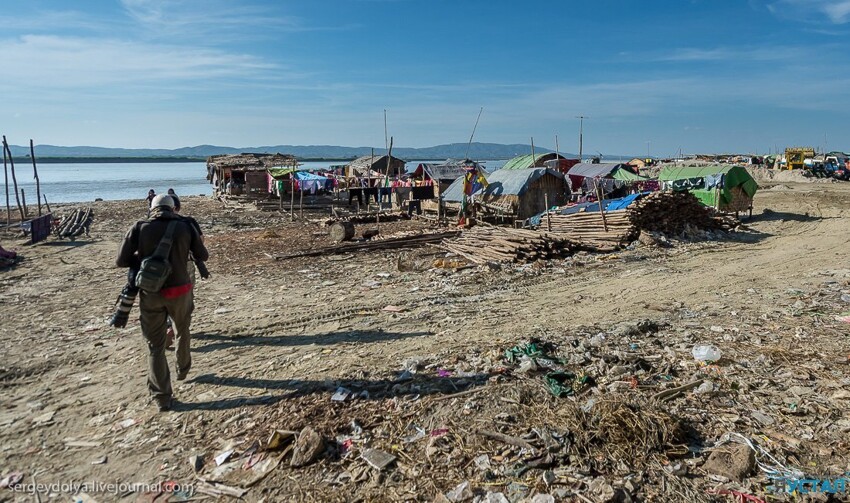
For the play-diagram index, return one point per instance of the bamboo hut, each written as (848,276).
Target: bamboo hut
(369,165)
(443,175)
(244,174)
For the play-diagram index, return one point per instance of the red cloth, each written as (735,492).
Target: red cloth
(172,292)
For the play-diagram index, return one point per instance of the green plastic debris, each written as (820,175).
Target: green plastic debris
(563,384)
(531,349)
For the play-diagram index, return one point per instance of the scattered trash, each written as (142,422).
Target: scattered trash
(377,459)
(11,479)
(461,492)
(563,384)
(341,394)
(706,353)
(308,447)
(223,457)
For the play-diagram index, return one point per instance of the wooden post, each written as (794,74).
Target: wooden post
(14,178)
(301,202)
(280,197)
(292,196)
(24,203)
(6,181)
(599,197)
(35,174)
(46,203)
(548,218)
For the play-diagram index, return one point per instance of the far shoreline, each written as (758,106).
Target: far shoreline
(154,160)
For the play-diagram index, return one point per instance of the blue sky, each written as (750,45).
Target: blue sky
(657,76)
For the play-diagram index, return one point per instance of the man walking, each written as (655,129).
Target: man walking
(173,299)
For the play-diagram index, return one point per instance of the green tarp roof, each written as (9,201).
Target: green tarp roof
(733,176)
(627,176)
(523,161)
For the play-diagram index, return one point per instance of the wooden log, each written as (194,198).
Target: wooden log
(341,231)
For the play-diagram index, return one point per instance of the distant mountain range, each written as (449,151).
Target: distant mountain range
(477,151)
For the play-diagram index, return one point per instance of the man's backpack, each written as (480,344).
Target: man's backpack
(156,269)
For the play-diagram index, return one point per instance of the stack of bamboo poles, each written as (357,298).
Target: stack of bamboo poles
(591,231)
(75,223)
(673,212)
(482,244)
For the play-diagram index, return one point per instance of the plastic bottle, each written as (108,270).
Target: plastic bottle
(706,353)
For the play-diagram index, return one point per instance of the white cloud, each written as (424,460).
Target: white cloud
(836,11)
(61,62)
(747,54)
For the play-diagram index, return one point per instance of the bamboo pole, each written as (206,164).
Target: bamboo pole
(35,175)
(301,202)
(24,203)
(6,182)
(292,197)
(599,197)
(548,219)
(46,203)
(14,178)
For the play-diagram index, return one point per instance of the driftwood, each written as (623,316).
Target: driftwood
(74,224)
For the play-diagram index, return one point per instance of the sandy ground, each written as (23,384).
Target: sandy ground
(274,340)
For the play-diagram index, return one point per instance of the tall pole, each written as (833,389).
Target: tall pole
(581,136)
(6,180)
(14,178)
(533,160)
(557,154)
(473,134)
(35,175)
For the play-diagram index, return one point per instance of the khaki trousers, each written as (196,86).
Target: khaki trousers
(154,310)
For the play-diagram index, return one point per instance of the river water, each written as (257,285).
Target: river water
(84,182)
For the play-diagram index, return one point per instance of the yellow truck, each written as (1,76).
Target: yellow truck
(795,157)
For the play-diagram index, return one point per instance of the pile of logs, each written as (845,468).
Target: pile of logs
(75,223)
(482,244)
(589,228)
(674,212)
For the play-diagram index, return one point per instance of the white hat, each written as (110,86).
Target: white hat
(163,200)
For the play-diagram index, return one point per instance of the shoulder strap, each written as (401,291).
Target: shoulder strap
(164,246)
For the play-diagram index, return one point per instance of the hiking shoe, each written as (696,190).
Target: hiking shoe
(164,404)
(181,374)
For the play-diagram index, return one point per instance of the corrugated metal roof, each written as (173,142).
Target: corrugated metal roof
(591,170)
(502,182)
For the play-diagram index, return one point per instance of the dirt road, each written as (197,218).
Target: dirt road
(275,339)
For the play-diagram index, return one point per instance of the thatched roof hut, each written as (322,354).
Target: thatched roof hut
(368,164)
(244,173)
